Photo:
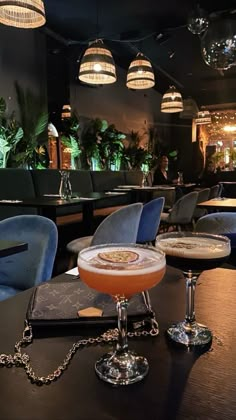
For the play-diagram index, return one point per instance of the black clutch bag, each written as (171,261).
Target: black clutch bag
(63,304)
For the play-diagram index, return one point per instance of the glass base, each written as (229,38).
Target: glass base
(121,368)
(189,334)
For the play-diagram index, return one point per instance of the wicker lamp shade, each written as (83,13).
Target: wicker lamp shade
(172,101)
(66,112)
(26,14)
(97,65)
(203,117)
(140,74)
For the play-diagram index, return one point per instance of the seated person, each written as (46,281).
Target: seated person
(161,176)
(210,177)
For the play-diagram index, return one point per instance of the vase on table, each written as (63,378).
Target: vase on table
(65,190)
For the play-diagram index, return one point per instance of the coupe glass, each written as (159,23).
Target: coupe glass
(121,270)
(192,253)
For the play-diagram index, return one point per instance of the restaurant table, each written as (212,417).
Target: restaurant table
(11,247)
(182,383)
(144,194)
(47,205)
(223,204)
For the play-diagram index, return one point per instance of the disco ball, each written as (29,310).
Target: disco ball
(218,44)
(198,21)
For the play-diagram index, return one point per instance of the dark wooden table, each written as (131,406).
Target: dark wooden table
(182,384)
(11,247)
(227,204)
(144,194)
(47,206)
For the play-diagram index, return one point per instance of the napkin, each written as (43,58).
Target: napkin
(11,201)
(73,272)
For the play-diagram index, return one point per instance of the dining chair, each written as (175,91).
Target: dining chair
(150,221)
(215,191)
(220,223)
(181,214)
(21,271)
(119,227)
(203,195)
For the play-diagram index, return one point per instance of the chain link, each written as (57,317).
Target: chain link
(20,359)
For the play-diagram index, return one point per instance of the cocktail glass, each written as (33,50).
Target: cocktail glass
(121,270)
(192,253)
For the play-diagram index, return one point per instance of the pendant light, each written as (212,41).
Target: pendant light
(140,73)
(172,101)
(26,14)
(66,112)
(203,117)
(97,65)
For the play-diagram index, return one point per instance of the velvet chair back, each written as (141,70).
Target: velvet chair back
(150,220)
(27,269)
(120,227)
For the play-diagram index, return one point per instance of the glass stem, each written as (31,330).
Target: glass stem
(190,293)
(122,345)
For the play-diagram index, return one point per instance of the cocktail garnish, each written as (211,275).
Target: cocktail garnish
(119,256)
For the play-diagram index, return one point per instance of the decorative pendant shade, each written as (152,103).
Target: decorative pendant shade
(97,65)
(140,74)
(172,101)
(26,14)
(203,117)
(190,109)
(66,112)
(52,131)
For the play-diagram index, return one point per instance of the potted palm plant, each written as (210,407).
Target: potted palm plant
(111,147)
(70,138)
(10,134)
(31,151)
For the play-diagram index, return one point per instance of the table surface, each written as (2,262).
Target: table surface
(229,203)
(181,384)
(11,247)
(53,201)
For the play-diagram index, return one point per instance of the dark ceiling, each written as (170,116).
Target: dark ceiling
(156,28)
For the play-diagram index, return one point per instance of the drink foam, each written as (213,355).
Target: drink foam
(194,247)
(147,262)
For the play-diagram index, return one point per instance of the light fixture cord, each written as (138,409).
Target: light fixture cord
(97,19)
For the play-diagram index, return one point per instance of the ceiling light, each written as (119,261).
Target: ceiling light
(172,101)
(198,21)
(26,14)
(219,44)
(203,117)
(229,128)
(190,109)
(52,131)
(97,65)
(66,112)
(140,74)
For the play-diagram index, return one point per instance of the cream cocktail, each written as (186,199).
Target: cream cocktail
(192,253)
(196,253)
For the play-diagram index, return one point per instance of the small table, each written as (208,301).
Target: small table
(47,206)
(11,247)
(227,204)
(144,194)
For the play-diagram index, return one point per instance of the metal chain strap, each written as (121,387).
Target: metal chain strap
(20,359)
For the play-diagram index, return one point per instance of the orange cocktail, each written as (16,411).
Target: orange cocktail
(121,270)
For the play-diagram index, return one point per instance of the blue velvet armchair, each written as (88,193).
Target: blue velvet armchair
(24,270)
